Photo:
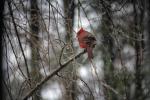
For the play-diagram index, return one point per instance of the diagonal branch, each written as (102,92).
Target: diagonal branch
(51,75)
(17,34)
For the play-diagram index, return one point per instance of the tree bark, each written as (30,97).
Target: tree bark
(69,6)
(34,45)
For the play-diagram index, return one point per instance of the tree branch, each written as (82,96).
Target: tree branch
(51,75)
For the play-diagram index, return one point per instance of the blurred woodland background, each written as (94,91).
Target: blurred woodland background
(42,59)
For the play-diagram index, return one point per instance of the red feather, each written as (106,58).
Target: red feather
(87,41)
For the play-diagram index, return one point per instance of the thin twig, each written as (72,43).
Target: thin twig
(16,58)
(7,89)
(56,9)
(87,87)
(61,55)
(102,83)
(17,34)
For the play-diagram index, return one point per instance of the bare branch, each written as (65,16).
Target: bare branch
(17,34)
(51,75)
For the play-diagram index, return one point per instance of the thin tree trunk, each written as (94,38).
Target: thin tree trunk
(139,47)
(69,15)
(146,69)
(108,51)
(34,45)
(2,2)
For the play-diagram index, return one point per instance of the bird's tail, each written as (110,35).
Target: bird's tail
(90,53)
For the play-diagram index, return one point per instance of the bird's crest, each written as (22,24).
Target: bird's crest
(80,31)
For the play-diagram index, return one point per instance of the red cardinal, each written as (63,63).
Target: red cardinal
(86,40)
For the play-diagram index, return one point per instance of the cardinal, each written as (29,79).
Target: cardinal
(87,41)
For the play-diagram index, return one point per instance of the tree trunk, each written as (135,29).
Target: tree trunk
(69,15)
(108,56)
(34,45)
(2,2)
(146,69)
(139,47)
(110,53)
